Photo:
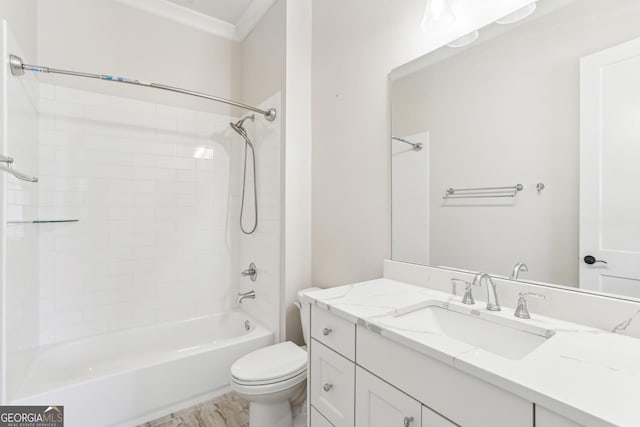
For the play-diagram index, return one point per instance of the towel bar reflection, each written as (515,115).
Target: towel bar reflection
(482,192)
(44,221)
(416,146)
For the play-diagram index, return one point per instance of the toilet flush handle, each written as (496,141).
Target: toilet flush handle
(326,331)
(327,387)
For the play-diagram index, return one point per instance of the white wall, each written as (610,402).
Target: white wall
(22,17)
(103,36)
(355,46)
(297,163)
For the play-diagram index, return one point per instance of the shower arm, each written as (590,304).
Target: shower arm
(18,68)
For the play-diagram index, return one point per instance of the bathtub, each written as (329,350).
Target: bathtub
(116,378)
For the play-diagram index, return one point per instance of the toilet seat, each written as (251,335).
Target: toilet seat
(253,389)
(273,365)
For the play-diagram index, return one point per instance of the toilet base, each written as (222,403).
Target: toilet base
(276,414)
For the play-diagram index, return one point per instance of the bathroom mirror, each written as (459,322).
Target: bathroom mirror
(524,147)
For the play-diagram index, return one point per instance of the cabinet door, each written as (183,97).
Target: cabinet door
(431,419)
(546,418)
(380,405)
(332,385)
(462,398)
(317,420)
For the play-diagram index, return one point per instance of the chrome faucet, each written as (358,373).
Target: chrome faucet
(519,267)
(492,296)
(245,295)
(468,294)
(521,310)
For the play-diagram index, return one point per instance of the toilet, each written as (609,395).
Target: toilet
(270,376)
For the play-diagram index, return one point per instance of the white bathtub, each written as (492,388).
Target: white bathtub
(115,378)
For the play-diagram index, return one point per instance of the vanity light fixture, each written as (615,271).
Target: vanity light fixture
(465,40)
(518,15)
(437,15)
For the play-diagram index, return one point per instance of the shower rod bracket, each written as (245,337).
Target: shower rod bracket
(18,68)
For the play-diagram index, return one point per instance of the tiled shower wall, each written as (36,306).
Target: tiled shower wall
(20,308)
(264,246)
(156,192)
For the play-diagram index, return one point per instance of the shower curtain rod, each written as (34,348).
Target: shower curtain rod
(18,68)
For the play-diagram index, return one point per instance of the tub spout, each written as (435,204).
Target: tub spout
(244,295)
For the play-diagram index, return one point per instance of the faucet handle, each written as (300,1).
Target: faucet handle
(468,294)
(521,309)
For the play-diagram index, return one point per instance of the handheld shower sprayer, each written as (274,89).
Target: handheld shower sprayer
(239,128)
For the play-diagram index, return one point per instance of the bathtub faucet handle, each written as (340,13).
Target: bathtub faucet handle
(251,272)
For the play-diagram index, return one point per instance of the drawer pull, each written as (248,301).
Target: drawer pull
(408,421)
(326,331)
(327,387)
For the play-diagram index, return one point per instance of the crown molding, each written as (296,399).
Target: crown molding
(189,17)
(251,16)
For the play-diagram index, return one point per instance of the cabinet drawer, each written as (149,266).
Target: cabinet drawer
(546,418)
(334,332)
(431,419)
(317,420)
(460,397)
(332,385)
(379,404)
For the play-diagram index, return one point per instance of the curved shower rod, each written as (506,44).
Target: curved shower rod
(18,68)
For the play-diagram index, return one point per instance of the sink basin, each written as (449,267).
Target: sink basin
(481,330)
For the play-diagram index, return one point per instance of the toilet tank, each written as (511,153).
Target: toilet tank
(304,313)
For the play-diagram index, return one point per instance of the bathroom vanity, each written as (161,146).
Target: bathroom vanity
(386,353)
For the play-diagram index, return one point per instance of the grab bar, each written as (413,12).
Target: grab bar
(6,159)
(482,192)
(17,174)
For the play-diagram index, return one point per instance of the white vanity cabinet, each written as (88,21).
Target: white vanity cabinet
(546,418)
(379,404)
(332,385)
(359,378)
(318,420)
(462,398)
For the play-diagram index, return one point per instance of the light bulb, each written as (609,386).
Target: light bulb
(437,15)
(465,40)
(518,15)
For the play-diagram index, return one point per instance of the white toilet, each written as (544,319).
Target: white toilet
(270,376)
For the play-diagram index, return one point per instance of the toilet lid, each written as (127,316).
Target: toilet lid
(279,361)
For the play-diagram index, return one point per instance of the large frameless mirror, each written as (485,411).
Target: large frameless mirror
(519,154)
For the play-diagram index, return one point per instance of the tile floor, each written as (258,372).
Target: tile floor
(228,410)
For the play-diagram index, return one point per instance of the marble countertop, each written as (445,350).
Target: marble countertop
(588,375)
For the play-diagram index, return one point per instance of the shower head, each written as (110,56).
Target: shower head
(239,128)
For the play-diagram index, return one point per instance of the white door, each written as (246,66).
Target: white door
(610,170)
(410,171)
(380,405)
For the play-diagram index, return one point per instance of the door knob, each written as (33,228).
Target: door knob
(592,260)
